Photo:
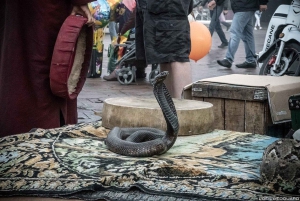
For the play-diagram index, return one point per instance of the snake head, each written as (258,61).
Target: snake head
(160,77)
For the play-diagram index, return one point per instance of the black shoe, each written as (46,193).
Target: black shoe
(224,63)
(223,45)
(246,65)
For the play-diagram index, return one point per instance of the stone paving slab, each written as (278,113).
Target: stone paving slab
(96,90)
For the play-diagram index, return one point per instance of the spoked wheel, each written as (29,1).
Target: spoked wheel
(125,75)
(289,62)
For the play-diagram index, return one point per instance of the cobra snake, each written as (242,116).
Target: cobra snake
(146,141)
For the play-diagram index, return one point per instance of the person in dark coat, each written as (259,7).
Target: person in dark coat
(215,24)
(163,37)
(242,28)
(28,32)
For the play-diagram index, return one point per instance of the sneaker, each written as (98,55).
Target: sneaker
(260,27)
(224,63)
(223,45)
(247,65)
(255,28)
(111,77)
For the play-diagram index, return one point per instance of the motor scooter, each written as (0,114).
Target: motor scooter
(281,51)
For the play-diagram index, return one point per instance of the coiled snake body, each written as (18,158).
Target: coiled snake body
(146,141)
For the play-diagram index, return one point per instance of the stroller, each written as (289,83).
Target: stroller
(128,63)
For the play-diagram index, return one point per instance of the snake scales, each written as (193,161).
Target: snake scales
(146,141)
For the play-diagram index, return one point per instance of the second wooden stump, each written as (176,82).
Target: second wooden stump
(195,117)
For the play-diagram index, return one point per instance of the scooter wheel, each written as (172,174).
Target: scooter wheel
(289,62)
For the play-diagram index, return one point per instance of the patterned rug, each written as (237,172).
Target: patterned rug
(73,162)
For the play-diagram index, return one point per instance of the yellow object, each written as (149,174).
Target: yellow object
(98,39)
(113,4)
(114,40)
(123,39)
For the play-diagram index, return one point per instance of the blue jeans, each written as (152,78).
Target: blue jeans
(215,23)
(242,28)
(112,30)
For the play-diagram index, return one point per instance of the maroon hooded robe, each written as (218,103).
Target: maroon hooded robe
(28,31)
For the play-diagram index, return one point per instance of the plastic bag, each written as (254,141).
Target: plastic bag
(113,58)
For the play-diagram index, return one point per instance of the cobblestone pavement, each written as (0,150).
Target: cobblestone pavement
(96,90)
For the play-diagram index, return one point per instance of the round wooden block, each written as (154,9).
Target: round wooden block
(195,117)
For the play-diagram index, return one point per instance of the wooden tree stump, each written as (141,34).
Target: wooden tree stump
(195,117)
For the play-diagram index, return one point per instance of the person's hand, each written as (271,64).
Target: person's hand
(84,11)
(263,8)
(225,12)
(211,5)
(200,8)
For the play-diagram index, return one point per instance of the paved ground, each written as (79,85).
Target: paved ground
(96,90)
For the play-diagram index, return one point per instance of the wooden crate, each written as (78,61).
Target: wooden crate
(238,108)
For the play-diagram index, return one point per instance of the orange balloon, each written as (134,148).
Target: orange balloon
(200,40)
